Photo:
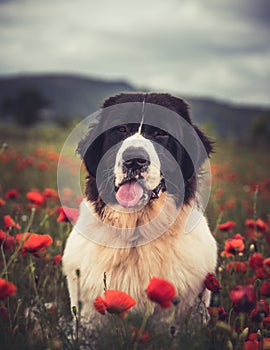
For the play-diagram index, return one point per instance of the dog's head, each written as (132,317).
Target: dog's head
(142,145)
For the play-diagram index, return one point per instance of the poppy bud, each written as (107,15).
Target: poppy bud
(252,248)
(74,310)
(173,330)
(211,283)
(244,334)
(176,301)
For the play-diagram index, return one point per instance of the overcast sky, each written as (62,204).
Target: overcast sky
(218,48)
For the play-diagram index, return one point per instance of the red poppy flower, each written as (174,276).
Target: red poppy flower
(114,302)
(266,321)
(35,197)
(230,203)
(42,166)
(39,152)
(12,194)
(50,193)
(7,240)
(219,192)
(261,273)
(68,214)
(211,283)
(261,226)
(2,202)
(10,223)
(243,298)
(251,345)
(262,306)
(265,289)
(237,266)
(253,336)
(227,226)
(256,261)
(266,262)
(138,336)
(33,242)
(67,192)
(52,155)
(250,223)
(161,292)
(100,305)
(57,259)
(233,245)
(7,289)
(261,310)
(238,236)
(266,343)
(217,313)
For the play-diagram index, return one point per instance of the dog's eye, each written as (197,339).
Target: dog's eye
(160,133)
(123,129)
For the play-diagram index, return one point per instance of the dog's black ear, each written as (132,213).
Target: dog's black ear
(194,146)
(197,148)
(90,149)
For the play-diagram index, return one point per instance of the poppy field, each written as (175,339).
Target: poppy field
(34,225)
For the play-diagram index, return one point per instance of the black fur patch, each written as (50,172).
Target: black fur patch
(92,148)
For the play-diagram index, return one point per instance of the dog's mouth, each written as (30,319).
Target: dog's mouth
(132,191)
(129,194)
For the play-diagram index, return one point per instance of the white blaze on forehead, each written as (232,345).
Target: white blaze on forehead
(153,171)
(142,121)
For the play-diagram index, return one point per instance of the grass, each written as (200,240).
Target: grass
(38,315)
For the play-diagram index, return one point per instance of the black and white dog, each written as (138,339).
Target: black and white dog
(143,159)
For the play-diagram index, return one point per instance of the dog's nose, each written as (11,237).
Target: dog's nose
(136,163)
(135,158)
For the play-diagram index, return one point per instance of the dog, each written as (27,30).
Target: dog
(143,156)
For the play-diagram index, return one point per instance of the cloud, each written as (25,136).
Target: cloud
(208,47)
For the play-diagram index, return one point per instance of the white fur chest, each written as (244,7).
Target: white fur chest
(184,259)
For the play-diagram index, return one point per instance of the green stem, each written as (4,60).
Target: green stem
(32,273)
(5,275)
(43,220)
(256,192)
(11,259)
(105,281)
(242,321)
(33,211)
(16,314)
(143,325)
(4,146)
(230,316)
(218,221)
(5,270)
(172,315)
(79,306)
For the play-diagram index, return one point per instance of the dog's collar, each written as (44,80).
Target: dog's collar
(160,187)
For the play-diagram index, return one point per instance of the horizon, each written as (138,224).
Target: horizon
(213,99)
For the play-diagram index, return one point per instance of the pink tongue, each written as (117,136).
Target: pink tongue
(129,194)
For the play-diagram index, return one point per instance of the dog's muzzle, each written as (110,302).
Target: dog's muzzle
(135,162)
(133,189)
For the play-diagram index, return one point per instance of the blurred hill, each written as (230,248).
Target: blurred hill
(64,96)
(27,99)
